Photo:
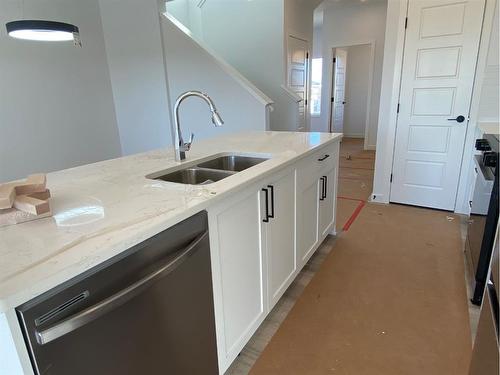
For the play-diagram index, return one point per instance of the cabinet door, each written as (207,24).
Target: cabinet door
(238,272)
(327,202)
(280,236)
(307,221)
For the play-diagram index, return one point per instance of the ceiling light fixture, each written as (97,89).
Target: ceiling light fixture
(40,30)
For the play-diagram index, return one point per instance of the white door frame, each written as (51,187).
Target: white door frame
(386,134)
(300,36)
(371,71)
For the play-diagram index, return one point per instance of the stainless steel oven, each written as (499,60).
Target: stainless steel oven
(146,311)
(484,213)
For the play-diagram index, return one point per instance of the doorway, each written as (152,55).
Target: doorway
(298,74)
(351,92)
(352,78)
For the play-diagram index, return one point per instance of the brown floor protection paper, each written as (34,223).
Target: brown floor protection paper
(389,299)
(355,178)
(345,210)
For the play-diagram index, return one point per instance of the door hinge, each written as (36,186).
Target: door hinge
(305,102)
(406,22)
(307,55)
(397,111)
(334,60)
(332,99)
(391,177)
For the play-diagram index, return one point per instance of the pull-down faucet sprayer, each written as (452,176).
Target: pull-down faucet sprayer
(180,146)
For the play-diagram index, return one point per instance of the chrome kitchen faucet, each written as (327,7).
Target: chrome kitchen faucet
(180,146)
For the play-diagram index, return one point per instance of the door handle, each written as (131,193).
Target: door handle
(266,219)
(271,187)
(93,312)
(457,119)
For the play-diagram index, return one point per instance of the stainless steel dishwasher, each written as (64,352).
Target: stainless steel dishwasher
(147,311)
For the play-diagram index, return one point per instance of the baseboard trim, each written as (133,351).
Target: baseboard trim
(346,135)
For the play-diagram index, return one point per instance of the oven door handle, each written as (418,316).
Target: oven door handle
(93,312)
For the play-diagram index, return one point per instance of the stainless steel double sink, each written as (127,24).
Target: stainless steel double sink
(209,171)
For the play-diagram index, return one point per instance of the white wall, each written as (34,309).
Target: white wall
(484,106)
(191,67)
(489,102)
(345,25)
(389,96)
(252,37)
(56,103)
(356,90)
(188,13)
(299,18)
(135,58)
(255,49)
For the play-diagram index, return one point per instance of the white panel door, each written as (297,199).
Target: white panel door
(440,55)
(298,73)
(338,91)
(280,236)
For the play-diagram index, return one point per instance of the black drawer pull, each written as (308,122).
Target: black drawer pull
(266,219)
(271,215)
(326,187)
(324,157)
(322,189)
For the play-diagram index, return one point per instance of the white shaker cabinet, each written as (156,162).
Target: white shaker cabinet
(327,201)
(307,220)
(260,239)
(238,264)
(316,200)
(279,232)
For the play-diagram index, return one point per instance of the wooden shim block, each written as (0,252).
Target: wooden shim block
(44,195)
(7,195)
(12,216)
(35,183)
(31,205)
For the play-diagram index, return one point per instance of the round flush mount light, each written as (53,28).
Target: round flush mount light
(40,30)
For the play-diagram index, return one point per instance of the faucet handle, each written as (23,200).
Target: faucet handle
(187,145)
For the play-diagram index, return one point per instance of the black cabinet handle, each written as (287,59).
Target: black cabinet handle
(266,219)
(272,201)
(324,157)
(326,187)
(322,189)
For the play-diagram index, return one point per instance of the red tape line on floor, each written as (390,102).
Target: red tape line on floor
(355,214)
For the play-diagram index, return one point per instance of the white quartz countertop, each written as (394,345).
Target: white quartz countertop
(105,208)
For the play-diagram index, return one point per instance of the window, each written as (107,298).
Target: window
(316,73)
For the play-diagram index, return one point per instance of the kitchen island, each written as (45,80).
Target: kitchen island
(102,209)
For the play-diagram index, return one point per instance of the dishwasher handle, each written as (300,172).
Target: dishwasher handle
(93,312)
